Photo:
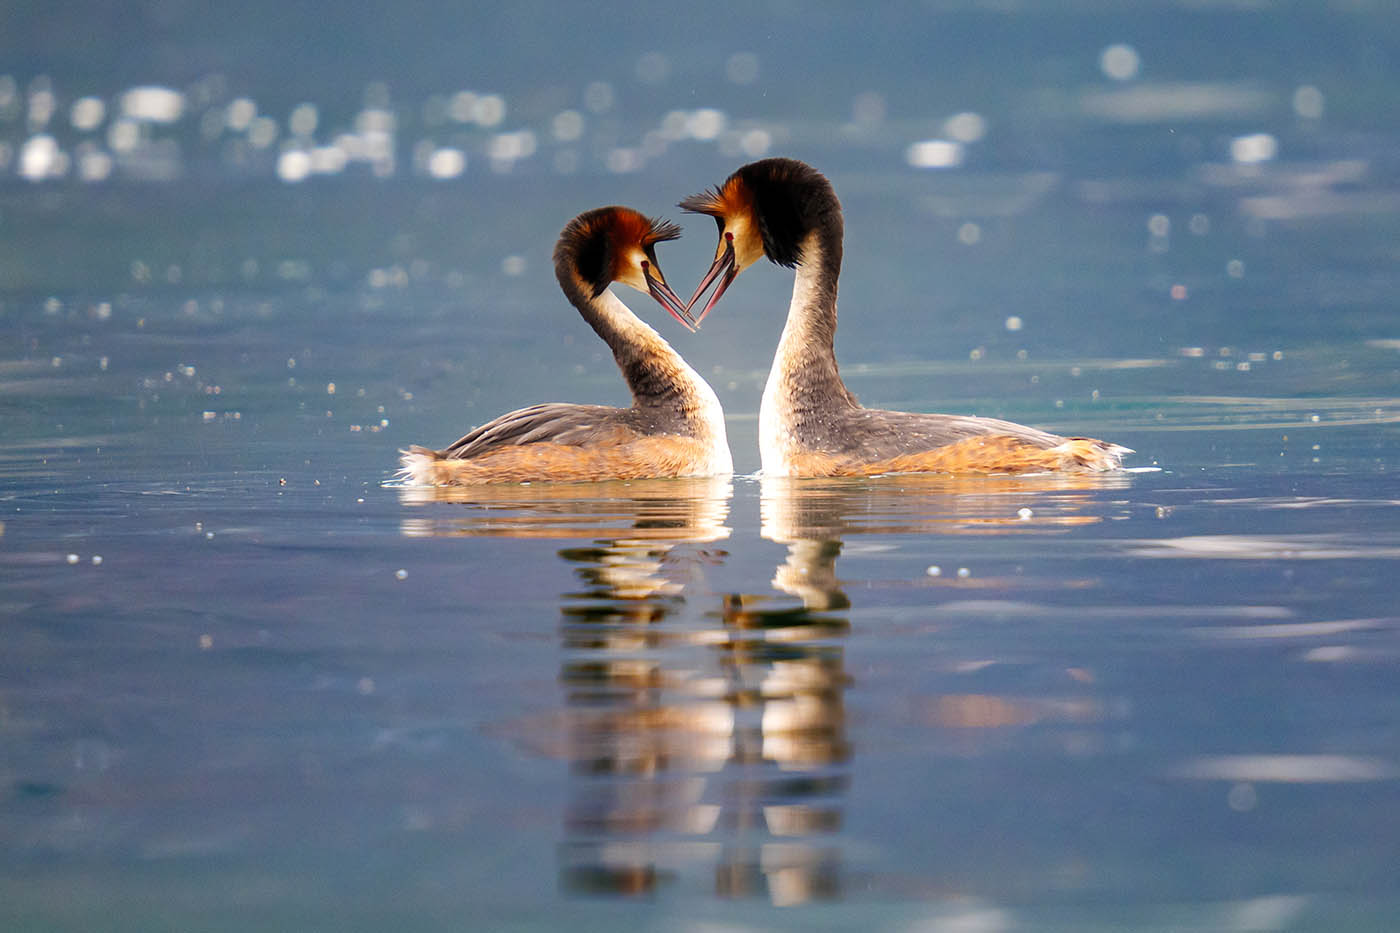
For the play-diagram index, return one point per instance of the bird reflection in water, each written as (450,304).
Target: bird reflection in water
(706,736)
(707,733)
(706,740)
(666,510)
(716,742)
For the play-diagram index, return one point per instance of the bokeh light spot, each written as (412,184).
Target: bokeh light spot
(262,132)
(1120,62)
(447,163)
(598,97)
(623,160)
(94,165)
(1254,148)
(40,158)
(489,109)
(965,127)
(87,113)
(153,104)
(303,119)
(567,125)
(755,142)
(706,123)
(934,153)
(294,165)
(462,107)
(1308,102)
(241,112)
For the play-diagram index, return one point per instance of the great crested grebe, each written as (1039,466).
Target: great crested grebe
(675,426)
(809,423)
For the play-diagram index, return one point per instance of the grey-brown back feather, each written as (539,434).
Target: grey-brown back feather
(874,434)
(554,422)
(561,423)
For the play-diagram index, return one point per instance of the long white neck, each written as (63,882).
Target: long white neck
(659,377)
(804,381)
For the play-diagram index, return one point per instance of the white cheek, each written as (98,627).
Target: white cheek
(748,247)
(752,254)
(634,276)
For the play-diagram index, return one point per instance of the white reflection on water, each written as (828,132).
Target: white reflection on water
(1302,502)
(1251,547)
(1297,629)
(1175,102)
(1309,102)
(1286,769)
(1254,148)
(154,104)
(1244,413)
(966,127)
(935,153)
(40,158)
(1120,61)
(1321,204)
(87,113)
(1002,608)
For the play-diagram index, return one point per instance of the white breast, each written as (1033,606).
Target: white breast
(773,428)
(711,413)
(775,419)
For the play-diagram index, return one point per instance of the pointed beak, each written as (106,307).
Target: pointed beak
(724,268)
(668,299)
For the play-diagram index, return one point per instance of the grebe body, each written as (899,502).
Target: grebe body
(810,424)
(675,425)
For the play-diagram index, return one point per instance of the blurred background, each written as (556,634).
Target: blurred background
(1134,180)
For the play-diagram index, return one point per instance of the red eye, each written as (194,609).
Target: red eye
(729,237)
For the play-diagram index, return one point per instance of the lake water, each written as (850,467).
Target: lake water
(247,681)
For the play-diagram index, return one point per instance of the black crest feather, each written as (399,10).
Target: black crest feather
(662,230)
(787,198)
(594,261)
(706,202)
(790,199)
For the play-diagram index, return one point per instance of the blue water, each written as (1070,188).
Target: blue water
(248,681)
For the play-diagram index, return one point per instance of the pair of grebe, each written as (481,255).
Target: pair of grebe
(809,422)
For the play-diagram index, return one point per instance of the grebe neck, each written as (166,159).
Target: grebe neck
(655,373)
(804,372)
(662,383)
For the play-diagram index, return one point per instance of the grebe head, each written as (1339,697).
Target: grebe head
(766,209)
(618,244)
